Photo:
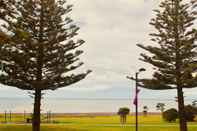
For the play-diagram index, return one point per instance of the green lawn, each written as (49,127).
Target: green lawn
(86,128)
(156,119)
(96,123)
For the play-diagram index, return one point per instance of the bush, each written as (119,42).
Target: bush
(190,112)
(170,115)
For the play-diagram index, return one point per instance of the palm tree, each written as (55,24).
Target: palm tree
(123,112)
(145,110)
(161,107)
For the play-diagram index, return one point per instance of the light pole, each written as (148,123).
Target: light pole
(136,93)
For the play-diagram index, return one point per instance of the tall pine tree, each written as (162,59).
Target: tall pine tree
(43,51)
(174,54)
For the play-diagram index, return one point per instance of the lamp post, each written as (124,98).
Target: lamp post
(136,93)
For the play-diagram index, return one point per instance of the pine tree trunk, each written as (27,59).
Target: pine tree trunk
(36,114)
(182,120)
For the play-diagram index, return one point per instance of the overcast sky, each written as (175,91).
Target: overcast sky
(111,29)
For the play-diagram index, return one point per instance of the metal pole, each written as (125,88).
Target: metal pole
(50,116)
(47,116)
(5,116)
(136,106)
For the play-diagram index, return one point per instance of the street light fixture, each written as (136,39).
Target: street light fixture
(136,93)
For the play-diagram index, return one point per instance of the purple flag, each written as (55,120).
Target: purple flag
(135,101)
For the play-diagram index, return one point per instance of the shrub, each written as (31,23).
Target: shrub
(170,115)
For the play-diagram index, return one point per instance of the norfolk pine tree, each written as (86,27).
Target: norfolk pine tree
(174,54)
(7,9)
(42,54)
(7,12)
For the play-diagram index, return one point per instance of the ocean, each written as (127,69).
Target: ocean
(79,105)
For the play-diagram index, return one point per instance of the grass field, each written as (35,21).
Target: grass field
(95,123)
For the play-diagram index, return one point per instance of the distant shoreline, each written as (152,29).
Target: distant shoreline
(86,114)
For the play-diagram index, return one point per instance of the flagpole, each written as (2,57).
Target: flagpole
(136,104)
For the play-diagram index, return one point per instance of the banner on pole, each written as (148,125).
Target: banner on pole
(135,101)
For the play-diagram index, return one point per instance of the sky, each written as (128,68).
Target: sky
(111,29)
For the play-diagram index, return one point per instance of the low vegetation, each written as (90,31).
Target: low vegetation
(95,123)
(171,115)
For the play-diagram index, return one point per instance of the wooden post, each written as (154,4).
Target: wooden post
(24,116)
